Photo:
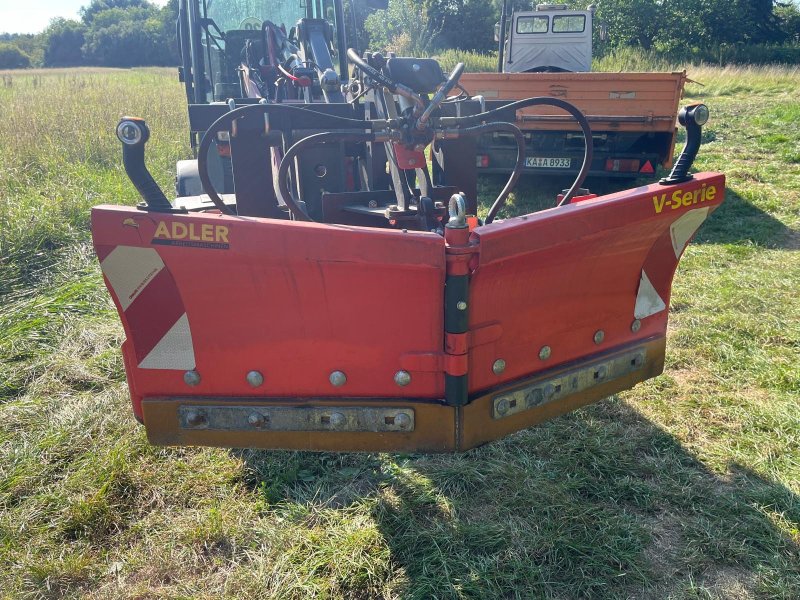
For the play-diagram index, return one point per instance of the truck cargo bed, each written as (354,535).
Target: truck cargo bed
(615,101)
(633,118)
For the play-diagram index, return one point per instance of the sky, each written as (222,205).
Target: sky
(32,16)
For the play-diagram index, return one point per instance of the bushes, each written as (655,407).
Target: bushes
(12,57)
(632,58)
(759,54)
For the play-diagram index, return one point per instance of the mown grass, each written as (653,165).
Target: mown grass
(685,487)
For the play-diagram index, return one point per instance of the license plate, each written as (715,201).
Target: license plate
(547,162)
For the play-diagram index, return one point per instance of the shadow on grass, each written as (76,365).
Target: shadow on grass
(598,504)
(739,222)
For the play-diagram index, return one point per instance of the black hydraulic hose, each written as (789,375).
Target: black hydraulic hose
(370,71)
(588,154)
(393,87)
(223,124)
(441,95)
(501,126)
(452,80)
(284,194)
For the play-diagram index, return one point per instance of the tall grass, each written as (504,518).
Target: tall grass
(59,155)
(474,63)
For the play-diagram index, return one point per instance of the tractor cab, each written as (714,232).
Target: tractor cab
(346,296)
(270,49)
(237,51)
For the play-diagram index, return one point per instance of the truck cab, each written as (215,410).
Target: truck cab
(550,39)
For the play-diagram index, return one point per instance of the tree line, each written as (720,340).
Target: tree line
(125,33)
(681,29)
(109,33)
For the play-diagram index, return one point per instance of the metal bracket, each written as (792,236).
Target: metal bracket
(289,418)
(568,383)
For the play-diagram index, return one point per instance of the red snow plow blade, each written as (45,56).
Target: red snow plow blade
(256,332)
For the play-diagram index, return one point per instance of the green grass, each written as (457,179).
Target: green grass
(686,487)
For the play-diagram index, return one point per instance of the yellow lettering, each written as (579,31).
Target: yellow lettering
(711,192)
(222,234)
(192,235)
(207,232)
(676,199)
(687,198)
(658,203)
(161,230)
(179,231)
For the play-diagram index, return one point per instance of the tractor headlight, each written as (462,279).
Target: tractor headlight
(696,114)
(132,131)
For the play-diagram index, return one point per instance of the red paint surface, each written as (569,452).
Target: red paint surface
(297,301)
(558,276)
(294,301)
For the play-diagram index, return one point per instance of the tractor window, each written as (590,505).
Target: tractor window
(569,24)
(250,14)
(533,24)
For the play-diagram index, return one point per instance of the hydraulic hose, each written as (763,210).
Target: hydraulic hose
(441,95)
(224,123)
(501,126)
(371,71)
(540,101)
(378,77)
(284,194)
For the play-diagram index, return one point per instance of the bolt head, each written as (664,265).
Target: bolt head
(502,406)
(402,420)
(196,418)
(499,366)
(255,379)
(256,420)
(337,419)
(599,336)
(533,398)
(461,305)
(636,325)
(545,353)
(402,378)
(337,379)
(191,378)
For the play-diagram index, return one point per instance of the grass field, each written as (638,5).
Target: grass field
(686,487)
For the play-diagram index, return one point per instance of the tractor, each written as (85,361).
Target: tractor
(341,292)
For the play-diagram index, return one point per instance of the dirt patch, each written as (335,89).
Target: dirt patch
(663,550)
(728,583)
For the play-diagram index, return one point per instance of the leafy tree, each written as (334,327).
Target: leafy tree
(63,40)
(464,24)
(631,22)
(12,57)
(405,28)
(88,13)
(788,16)
(28,43)
(126,33)
(128,43)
